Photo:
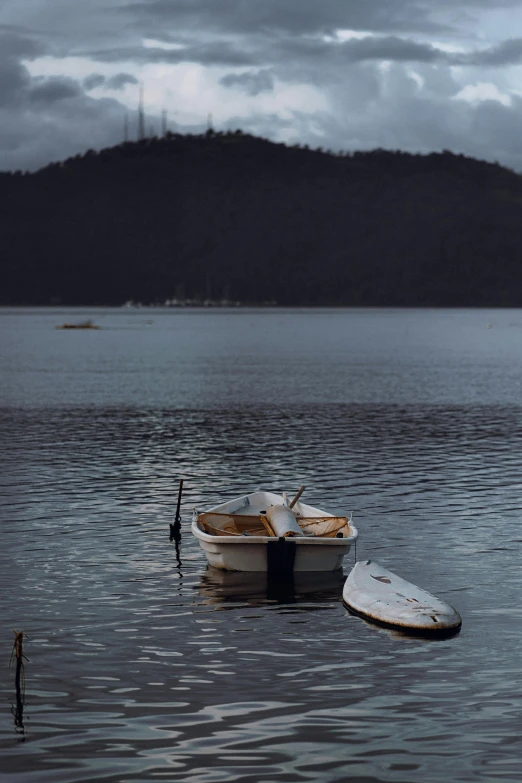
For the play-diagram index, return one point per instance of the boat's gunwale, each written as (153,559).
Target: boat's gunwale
(300,541)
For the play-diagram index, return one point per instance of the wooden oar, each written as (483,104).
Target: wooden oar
(266,525)
(294,501)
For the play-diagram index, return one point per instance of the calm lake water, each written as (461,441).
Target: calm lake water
(146,666)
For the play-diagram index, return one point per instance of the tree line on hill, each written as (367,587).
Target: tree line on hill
(230,215)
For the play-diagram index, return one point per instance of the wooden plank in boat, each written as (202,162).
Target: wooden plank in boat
(326,527)
(231,525)
(266,524)
(207,527)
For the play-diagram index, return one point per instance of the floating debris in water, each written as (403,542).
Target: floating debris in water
(82,325)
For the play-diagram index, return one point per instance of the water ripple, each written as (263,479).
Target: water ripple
(145,667)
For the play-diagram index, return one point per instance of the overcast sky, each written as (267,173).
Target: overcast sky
(416,75)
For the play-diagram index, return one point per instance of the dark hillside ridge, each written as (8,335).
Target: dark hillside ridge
(239,217)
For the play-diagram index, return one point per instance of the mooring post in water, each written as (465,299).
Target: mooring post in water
(18,654)
(175,529)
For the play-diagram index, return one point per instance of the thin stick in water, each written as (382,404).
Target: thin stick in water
(18,654)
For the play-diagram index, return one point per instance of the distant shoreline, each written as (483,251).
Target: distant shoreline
(244,308)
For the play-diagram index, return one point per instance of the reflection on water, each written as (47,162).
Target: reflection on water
(145,664)
(306,590)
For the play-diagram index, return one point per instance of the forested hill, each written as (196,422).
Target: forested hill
(235,216)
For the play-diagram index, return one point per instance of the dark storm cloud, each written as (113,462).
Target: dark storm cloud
(93,80)
(392,48)
(119,81)
(16,84)
(17,45)
(358,50)
(14,76)
(251,82)
(56,88)
(310,52)
(294,16)
(109,21)
(211,53)
(14,80)
(507,53)
(43,119)
(116,82)
(284,50)
(257,34)
(37,132)
(126,22)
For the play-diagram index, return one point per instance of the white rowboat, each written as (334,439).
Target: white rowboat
(260,532)
(374,593)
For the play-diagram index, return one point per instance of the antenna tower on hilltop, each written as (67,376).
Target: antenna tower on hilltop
(141,117)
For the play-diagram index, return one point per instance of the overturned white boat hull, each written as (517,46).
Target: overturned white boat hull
(264,552)
(377,594)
